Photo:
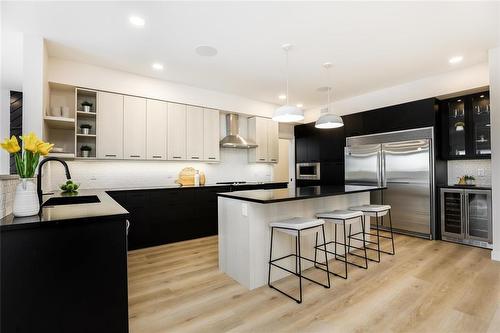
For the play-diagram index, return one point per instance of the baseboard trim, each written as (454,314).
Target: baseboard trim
(495,255)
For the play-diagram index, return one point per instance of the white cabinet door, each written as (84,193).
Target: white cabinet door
(176,131)
(156,130)
(257,132)
(272,141)
(211,148)
(134,128)
(194,139)
(110,126)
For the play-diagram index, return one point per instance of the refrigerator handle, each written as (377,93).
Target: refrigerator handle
(465,214)
(381,175)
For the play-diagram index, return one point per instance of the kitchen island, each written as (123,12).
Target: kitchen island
(244,233)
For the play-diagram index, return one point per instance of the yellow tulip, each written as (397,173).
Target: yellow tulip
(30,142)
(11,145)
(44,148)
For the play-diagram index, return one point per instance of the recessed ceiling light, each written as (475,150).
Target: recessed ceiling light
(282,96)
(455,60)
(300,105)
(137,21)
(157,66)
(206,51)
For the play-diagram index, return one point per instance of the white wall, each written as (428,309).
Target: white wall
(494,62)
(34,83)
(89,76)
(4,129)
(450,82)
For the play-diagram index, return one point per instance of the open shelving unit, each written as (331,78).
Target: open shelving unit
(59,126)
(86,118)
(63,130)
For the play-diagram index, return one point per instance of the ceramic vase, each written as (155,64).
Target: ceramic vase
(26,198)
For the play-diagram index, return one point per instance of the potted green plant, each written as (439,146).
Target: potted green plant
(469,180)
(85,150)
(85,128)
(86,106)
(69,187)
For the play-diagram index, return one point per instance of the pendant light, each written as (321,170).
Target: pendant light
(327,118)
(287,113)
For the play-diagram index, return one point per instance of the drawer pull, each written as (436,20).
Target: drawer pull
(176,156)
(262,159)
(110,155)
(156,156)
(211,158)
(195,157)
(135,156)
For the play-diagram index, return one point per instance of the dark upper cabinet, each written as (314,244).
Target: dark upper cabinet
(307,143)
(353,124)
(465,127)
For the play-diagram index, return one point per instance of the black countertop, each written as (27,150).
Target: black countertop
(177,186)
(50,215)
(466,187)
(298,193)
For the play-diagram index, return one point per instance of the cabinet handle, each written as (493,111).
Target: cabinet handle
(176,156)
(211,158)
(135,156)
(156,156)
(262,159)
(110,155)
(195,157)
(273,159)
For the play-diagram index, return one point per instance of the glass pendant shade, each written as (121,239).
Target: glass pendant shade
(288,114)
(329,120)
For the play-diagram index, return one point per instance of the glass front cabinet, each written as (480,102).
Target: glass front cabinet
(466,216)
(466,127)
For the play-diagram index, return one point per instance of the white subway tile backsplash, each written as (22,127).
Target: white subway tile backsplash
(480,169)
(234,166)
(7,190)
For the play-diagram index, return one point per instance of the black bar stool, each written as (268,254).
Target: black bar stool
(344,218)
(377,211)
(296,227)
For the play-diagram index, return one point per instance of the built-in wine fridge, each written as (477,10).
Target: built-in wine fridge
(466,216)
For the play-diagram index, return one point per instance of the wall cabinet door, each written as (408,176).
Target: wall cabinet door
(176,131)
(156,130)
(272,141)
(258,132)
(110,126)
(194,138)
(211,122)
(134,128)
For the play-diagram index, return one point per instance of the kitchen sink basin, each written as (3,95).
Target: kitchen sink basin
(75,200)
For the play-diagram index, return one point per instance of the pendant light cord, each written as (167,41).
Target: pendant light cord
(287,74)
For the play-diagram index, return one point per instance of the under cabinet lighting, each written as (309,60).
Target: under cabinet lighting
(157,66)
(137,21)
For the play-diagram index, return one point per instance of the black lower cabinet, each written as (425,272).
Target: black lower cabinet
(162,216)
(66,277)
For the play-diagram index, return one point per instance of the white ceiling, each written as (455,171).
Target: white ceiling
(372,45)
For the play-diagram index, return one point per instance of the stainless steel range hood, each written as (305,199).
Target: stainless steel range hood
(233,139)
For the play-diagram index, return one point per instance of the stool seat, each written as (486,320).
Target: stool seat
(350,216)
(297,223)
(371,208)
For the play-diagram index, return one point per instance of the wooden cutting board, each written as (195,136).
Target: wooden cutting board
(186,177)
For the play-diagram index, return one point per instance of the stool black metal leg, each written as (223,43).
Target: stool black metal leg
(392,235)
(378,237)
(364,240)
(335,243)
(270,259)
(345,250)
(349,239)
(316,249)
(326,255)
(300,267)
(296,258)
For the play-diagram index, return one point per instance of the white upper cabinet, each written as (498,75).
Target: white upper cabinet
(156,130)
(264,132)
(194,138)
(211,133)
(134,128)
(176,132)
(110,126)
(272,141)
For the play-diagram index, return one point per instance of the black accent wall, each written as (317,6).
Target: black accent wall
(16,121)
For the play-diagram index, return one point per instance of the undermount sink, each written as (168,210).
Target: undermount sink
(75,200)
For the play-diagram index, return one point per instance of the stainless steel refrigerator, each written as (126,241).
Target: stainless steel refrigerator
(403,162)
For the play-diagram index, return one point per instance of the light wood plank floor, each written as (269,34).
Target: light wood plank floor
(428,286)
